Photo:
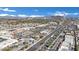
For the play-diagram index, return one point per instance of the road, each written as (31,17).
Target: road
(36,45)
(55,42)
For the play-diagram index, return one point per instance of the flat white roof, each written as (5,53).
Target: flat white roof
(69,39)
(66,44)
(63,48)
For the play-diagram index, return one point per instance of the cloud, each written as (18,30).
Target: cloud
(19,15)
(36,16)
(12,15)
(22,15)
(75,13)
(58,13)
(7,10)
(4,14)
(7,15)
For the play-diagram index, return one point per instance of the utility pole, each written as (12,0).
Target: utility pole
(75,46)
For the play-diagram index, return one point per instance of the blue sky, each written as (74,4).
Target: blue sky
(38,11)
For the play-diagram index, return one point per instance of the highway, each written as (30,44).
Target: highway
(55,45)
(36,45)
(53,42)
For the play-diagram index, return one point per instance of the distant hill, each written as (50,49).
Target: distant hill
(50,18)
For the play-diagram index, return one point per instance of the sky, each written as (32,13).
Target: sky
(38,11)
